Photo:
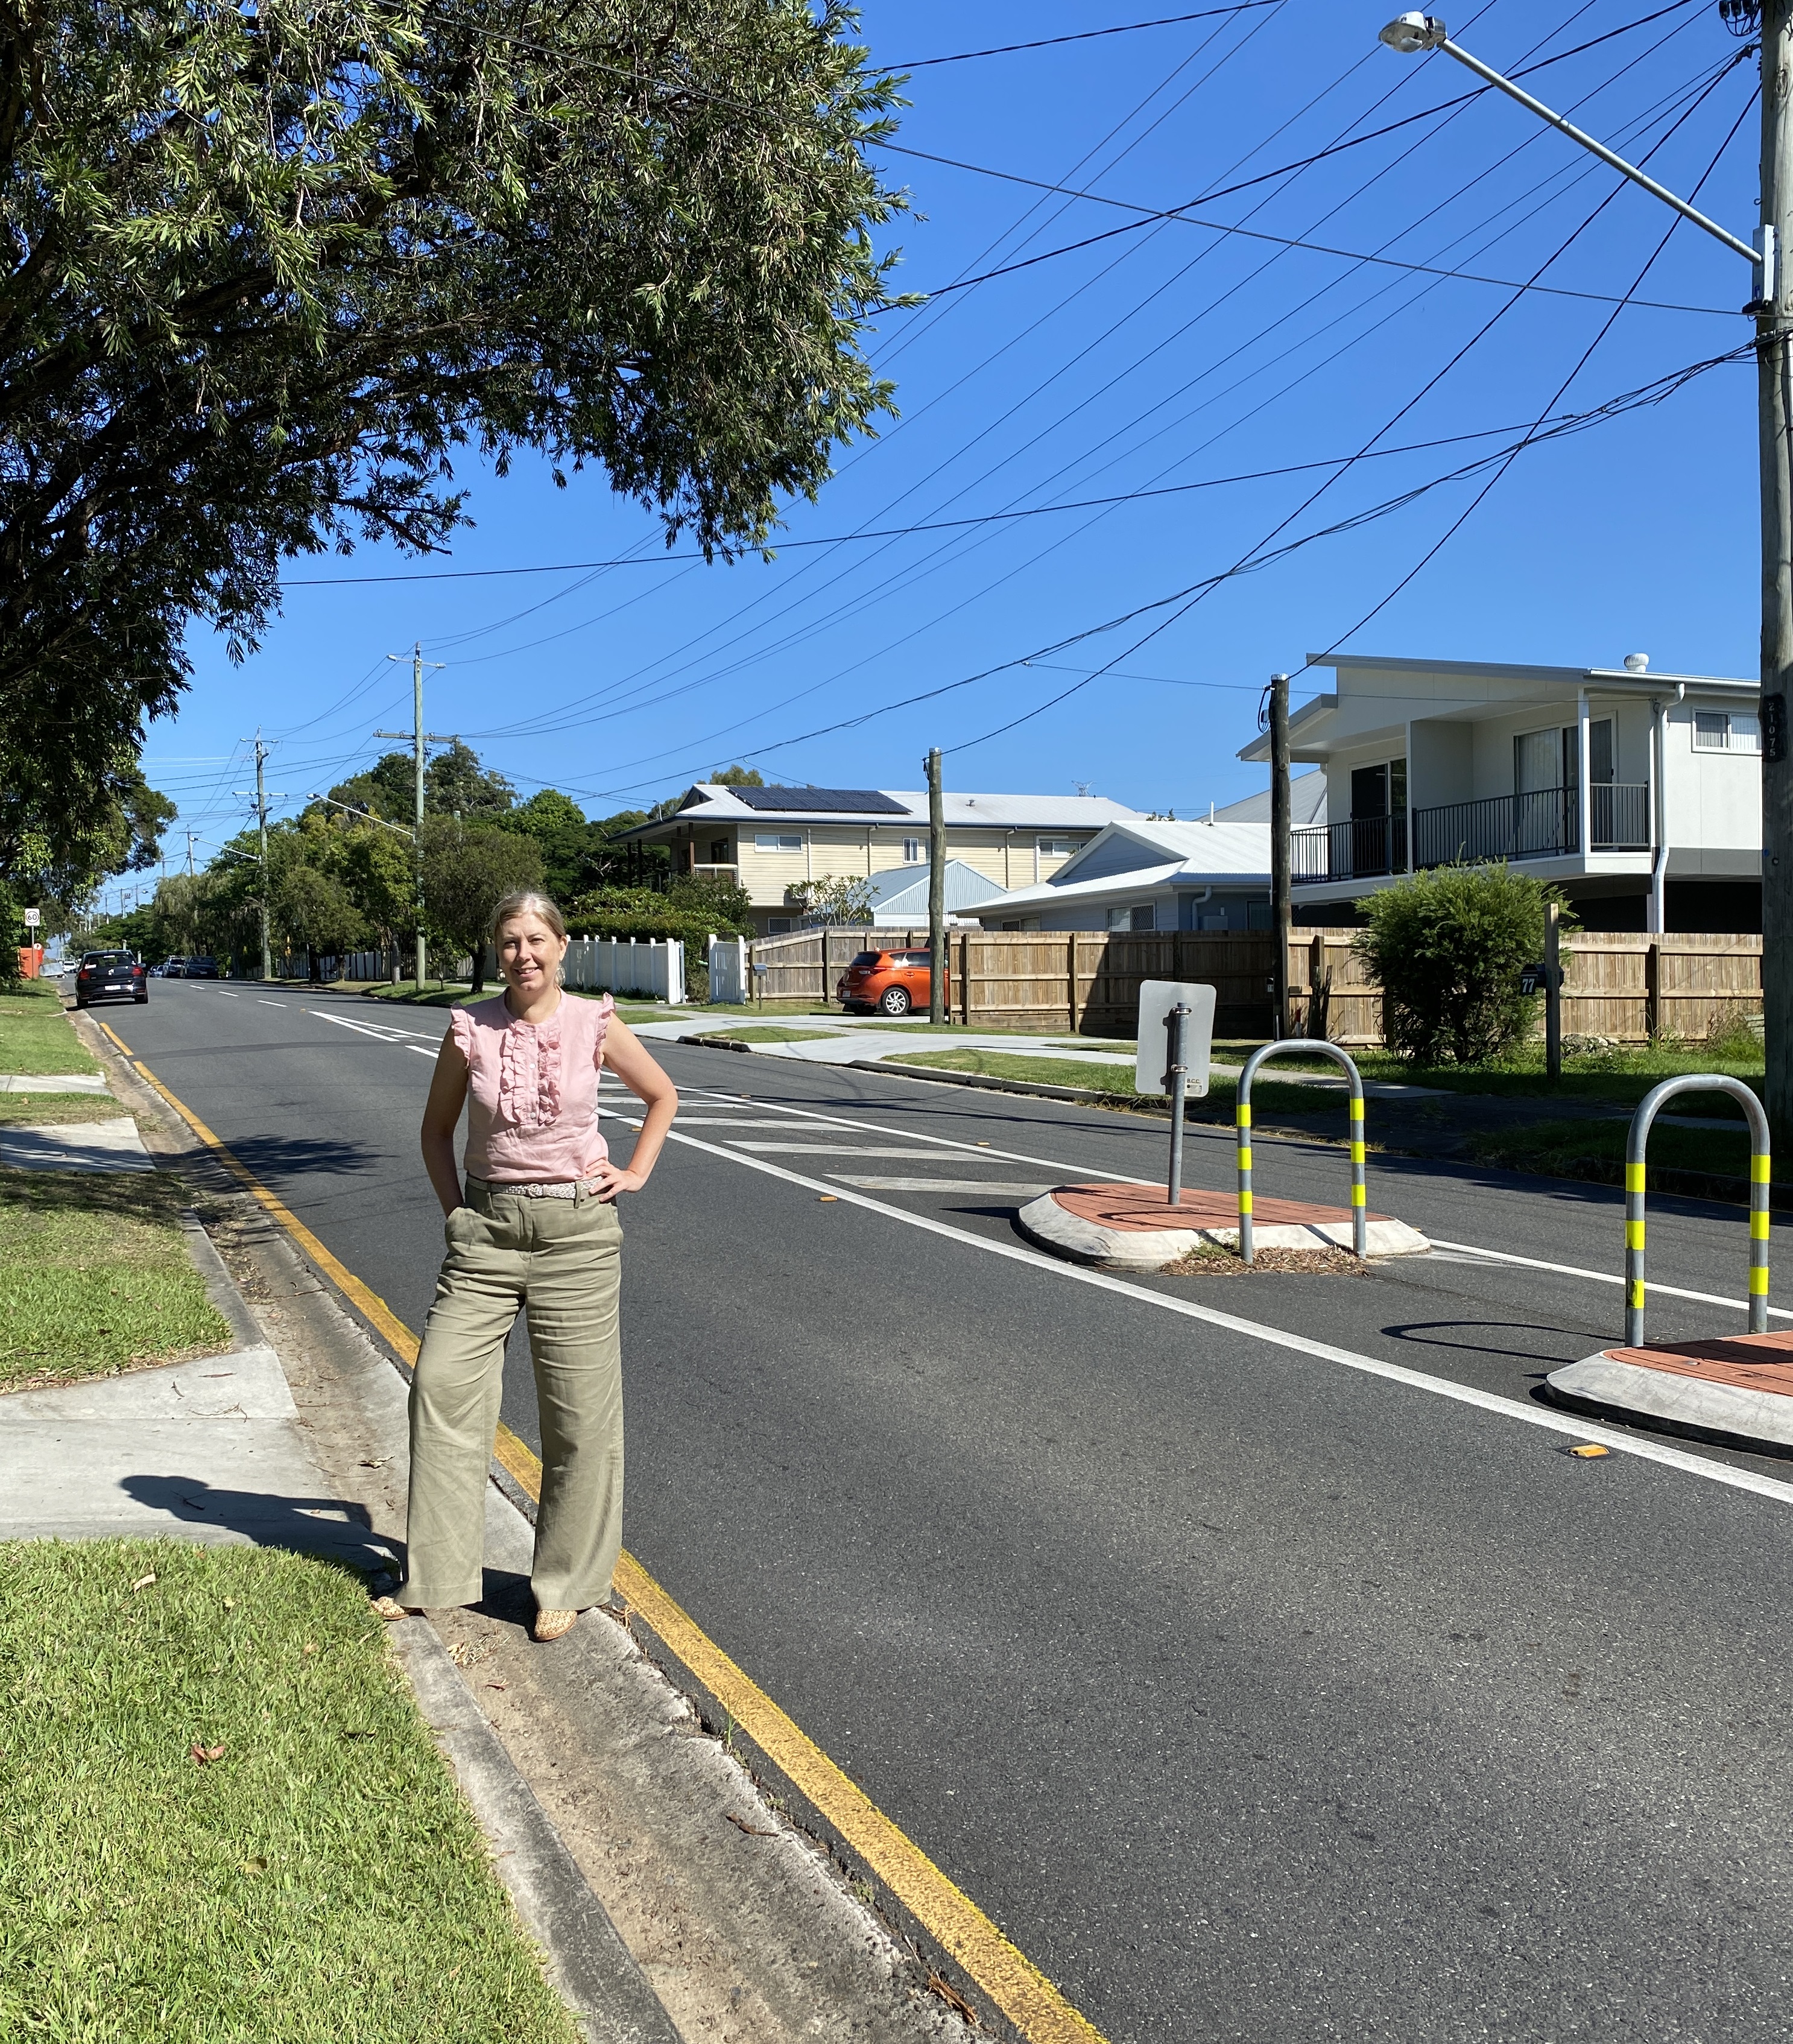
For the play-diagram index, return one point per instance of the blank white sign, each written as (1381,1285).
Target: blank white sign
(1157,998)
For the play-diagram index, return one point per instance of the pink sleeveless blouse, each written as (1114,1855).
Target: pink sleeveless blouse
(532,1091)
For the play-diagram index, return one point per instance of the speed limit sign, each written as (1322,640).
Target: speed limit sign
(33,918)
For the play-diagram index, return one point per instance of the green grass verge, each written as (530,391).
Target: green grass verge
(770,1032)
(320,1881)
(1619,1078)
(36,1035)
(94,1274)
(49,1110)
(1117,1080)
(1566,1148)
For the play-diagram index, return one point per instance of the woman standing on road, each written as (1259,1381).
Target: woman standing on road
(537,1228)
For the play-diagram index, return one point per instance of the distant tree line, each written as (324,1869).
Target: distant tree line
(343,875)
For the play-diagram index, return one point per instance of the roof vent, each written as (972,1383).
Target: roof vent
(1635,663)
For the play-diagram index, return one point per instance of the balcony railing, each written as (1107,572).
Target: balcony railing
(1352,851)
(1543,823)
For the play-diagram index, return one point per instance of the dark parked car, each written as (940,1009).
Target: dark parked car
(204,967)
(110,976)
(172,968)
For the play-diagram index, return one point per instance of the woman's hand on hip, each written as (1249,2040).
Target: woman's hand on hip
(614,1178)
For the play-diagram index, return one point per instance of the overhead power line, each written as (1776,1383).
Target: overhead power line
(1182,217)
(1264,177)
(1084,35)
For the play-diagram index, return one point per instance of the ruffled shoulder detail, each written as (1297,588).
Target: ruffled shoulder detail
(460,1027)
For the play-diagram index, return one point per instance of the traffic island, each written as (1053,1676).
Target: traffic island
(1134,1228)
(1738,1389)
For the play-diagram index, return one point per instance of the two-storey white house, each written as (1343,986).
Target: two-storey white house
(1638,793)
(772,839)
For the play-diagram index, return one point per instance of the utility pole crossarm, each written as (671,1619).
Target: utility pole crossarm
(1412,33)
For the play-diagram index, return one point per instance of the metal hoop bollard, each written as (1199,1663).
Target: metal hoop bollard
(1360,1211)
(1635,1144)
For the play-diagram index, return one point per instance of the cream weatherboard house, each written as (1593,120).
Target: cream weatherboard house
(1638,793)
(772,839)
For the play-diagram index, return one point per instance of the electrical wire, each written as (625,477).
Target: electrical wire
(538,725)
(1084,36)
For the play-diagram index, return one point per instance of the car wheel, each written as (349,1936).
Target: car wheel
(139,998)
(895,1002)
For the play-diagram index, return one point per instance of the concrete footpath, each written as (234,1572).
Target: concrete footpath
(671,1900)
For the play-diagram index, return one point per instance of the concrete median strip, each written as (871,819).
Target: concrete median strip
(1737,1388)
(1131,1227)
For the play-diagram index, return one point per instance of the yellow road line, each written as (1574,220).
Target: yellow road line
(391,1327)
(1011,1981)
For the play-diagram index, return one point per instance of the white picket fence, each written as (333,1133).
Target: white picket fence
(651,966)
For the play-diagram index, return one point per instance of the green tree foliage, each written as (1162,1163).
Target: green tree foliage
(739,777)
(468,869)
(315,911)
(1448,948)
(377,868)
(53,854)
(268,270)
(453,782)
(844,899)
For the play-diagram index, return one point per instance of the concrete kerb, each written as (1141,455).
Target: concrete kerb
(1699,1388)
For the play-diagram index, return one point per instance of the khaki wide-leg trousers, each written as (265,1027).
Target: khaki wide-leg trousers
(560,1262)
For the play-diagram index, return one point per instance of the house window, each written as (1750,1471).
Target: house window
(912,851)
(719,853)
(777,841)
(777,926)
(1133,919)
(1727,731)
(1054,848)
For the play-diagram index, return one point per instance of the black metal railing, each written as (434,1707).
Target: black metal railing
(1543,823)
(1360,848)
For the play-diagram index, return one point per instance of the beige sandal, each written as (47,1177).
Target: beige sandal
(392,1610)
(553,1624)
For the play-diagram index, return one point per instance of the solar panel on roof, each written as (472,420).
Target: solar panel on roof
(859,802)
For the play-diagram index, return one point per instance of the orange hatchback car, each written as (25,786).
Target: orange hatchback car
(891,982)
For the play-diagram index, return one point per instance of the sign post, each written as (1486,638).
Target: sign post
(1176,1042)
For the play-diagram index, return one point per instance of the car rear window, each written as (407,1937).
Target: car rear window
(869,957)
(107,958)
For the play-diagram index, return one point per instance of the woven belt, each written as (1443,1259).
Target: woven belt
(565,1188)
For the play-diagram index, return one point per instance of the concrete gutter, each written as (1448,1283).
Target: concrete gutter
(594,1972)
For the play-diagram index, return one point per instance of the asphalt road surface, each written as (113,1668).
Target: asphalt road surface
(1238,1643)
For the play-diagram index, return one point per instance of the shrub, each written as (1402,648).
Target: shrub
(644,912)
(1448,947)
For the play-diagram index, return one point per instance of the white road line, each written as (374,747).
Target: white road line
(423,1050)
(1075,1171)
(1441,1387)
(841,1150)
(1122,1178)
(229,996)
(1600,1277)
(935,1185)
(260,1003)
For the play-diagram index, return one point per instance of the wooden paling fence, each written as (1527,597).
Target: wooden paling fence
(1628,988)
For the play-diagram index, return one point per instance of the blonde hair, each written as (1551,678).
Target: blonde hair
(527,901)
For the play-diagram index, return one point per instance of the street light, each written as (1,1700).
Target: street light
(1414,34)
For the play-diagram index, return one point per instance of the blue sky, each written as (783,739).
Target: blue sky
(1173,355)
